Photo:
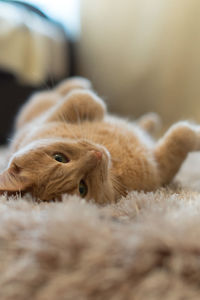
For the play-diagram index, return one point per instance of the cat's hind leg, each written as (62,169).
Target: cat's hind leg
(77,106)
(150,122)
(172,149)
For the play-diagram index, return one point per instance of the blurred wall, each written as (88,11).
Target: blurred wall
(143,55)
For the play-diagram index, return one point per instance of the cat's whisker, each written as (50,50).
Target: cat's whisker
(89,134)
(45,85)
(63,118)
(118,186)
(79,122)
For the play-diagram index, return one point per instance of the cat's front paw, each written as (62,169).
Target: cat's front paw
(77,106)
(72,83)
(84,105)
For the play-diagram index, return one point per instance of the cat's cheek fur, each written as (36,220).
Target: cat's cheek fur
(12,181)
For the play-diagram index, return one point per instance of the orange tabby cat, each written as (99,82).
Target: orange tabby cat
(66,143)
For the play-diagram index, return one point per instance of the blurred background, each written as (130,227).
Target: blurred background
(141,55)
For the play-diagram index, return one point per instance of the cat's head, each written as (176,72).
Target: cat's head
(49,168)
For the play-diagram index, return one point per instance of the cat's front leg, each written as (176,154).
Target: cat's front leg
(42,101)
(77,106)
(172,149)
(37,104)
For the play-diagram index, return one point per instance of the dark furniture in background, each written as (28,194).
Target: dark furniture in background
(12,96)
(13,93)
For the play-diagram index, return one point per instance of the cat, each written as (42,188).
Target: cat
(66,142)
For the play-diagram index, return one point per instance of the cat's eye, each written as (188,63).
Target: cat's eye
(83,189)
(61,158)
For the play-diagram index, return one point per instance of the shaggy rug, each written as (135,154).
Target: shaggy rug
(145,247)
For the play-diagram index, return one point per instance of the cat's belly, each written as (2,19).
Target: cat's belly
(132,158)
(137,171)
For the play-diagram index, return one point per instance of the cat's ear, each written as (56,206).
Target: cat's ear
(78,106)
(68,85)
(14,180)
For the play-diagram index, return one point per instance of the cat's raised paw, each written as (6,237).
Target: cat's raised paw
(73,83)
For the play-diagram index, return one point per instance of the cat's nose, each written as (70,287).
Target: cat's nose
(97,154)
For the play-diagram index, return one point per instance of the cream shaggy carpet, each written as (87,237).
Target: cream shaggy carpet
(145,247)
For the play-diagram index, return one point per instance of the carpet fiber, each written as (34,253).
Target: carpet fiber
(145,247)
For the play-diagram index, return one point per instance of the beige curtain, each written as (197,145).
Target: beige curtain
(143,55)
